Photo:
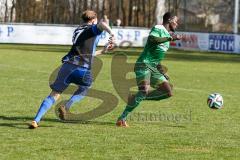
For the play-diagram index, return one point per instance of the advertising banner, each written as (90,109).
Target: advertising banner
(127,36)
(192,41)
(63,35)
(221,42)
(237,44)
(35,34)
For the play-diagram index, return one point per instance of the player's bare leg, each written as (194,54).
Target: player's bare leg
(163,91)
(55,94)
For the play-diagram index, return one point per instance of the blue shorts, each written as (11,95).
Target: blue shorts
(70,73)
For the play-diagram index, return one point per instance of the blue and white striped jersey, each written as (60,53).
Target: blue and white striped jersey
(85,40)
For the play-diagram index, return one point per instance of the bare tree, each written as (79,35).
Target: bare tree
(149,13)
(12,10)
(130,10)
(103,8)
(85,4)
(123,7)
(208,9)
(144,13)
(138,12)
(6,11)
(176,6)
(160,9)
(118,8)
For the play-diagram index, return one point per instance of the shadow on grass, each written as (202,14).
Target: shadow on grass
(24,118)
(90,122)
(24,125)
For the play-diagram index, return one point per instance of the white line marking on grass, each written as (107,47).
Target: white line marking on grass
(191,90)
(200,91)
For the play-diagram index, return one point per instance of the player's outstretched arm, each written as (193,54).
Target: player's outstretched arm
(101,51)
(109,46)
(159,40)
(104,27)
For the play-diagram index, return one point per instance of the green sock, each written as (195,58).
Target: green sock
(140,96)
(157,95)
(125,113)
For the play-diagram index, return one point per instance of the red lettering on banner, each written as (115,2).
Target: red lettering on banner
(190,41)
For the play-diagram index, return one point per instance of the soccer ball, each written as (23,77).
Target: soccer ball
(215,101)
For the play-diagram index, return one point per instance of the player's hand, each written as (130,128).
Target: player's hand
(176,37)
(109,45)
(111,42)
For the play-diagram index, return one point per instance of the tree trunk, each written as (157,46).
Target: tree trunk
(103,8)
(6,11)
(124,13)
(12,9)
(85,5)
(80,8)
(138,11)
(130,8)
(97,6)
(144,13)
(110,11)
(160,10)
(176,6)
(149,13)
(92,5)
(118,8)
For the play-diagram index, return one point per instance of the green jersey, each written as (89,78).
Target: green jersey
(154,53)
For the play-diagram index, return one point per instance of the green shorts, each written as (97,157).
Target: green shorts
(151,75)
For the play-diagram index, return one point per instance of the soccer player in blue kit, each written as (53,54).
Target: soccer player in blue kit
(76,67)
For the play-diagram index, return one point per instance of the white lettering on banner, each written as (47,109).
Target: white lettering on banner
(221,42)
(136,37)
(231,45)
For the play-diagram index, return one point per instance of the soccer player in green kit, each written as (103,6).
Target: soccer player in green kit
(148,69)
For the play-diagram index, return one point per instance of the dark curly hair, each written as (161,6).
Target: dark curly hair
(167,17)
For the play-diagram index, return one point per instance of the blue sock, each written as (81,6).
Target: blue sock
(45,106)
(73,99)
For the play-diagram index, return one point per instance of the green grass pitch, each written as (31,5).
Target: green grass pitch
(189,130)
